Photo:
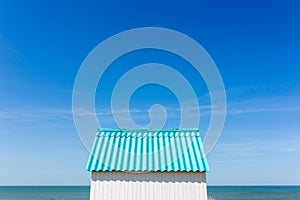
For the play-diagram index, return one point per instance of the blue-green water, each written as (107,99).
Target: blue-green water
(254,192)
(82,192)
(44,192)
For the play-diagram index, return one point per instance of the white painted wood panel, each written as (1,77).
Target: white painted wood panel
(148,186)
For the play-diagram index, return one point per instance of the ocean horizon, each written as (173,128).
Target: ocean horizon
(82,192)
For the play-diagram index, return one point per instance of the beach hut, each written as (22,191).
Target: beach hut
(148,165)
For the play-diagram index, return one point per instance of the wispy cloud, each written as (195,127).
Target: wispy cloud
(260,110)
(262,105)
(259,105)
(256,147)
(34,114)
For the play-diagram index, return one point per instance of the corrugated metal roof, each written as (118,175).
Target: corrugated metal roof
(147,150)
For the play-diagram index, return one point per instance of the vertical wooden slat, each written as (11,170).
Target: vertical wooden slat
(129,189)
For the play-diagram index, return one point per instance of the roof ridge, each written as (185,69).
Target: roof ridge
(148,130)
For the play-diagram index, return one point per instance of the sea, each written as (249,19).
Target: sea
(82,192)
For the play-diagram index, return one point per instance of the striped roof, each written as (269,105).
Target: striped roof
(147,150)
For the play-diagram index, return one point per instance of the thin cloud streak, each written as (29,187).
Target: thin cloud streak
(275,104)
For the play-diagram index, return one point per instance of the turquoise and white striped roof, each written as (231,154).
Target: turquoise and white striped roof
(148,150)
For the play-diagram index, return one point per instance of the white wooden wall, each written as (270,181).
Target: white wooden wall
(148,186)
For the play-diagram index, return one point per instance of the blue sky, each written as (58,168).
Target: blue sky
(255,45)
